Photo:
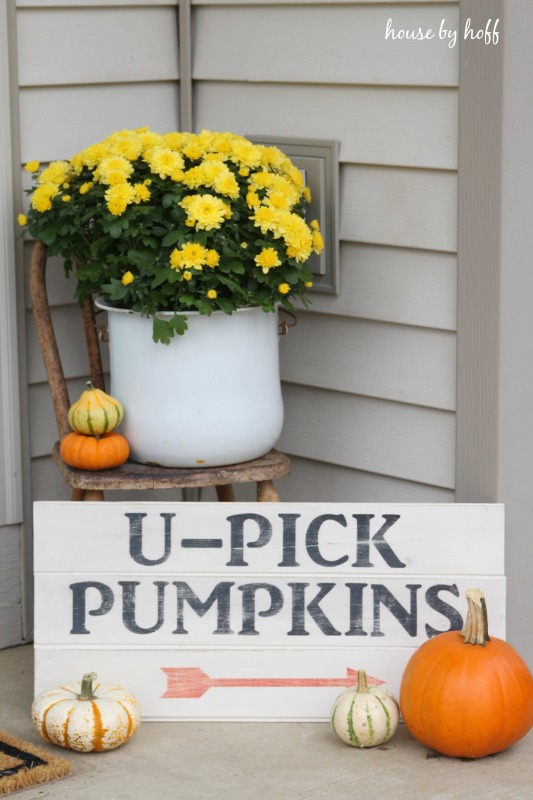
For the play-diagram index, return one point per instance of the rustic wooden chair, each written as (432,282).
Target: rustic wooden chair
(88,485)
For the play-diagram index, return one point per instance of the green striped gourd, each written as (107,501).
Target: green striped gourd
(95,413)
(364,716)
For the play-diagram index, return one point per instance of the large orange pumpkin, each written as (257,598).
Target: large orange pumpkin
(94,452)
(466,694)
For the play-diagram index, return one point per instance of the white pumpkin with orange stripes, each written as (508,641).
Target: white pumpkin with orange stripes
(86,716)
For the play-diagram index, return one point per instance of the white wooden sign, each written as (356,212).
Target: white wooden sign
(253,611)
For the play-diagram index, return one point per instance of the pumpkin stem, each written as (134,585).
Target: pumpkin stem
(86,692)
(89,385)
(476,628)
(362,685)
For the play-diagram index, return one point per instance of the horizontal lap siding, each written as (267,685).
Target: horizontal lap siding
(10,588)
(324,44)
(407,357)
(403,126)
(369,375)
(85,70)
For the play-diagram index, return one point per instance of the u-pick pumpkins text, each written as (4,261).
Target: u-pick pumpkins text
(467,694)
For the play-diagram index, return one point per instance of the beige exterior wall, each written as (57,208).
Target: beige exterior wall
(369,375)
(113,65)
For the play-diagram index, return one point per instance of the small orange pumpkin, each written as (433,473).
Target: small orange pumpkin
(94,452)
(466,694)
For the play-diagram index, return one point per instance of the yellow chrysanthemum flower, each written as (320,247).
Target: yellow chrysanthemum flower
(66,198)
(86,187)
(43,195)
(193,255)
(212,294)
(192,151)
(22,219)
(32,166)
(94,154)
(279,201)
(113,170)
(307,194)
(253,200)
(318,241)
(267,219)
(308,284)
(125,143)
(174,140)
(297,236)
(246,154)
(206,211)
(57,172)
(227,185)
(142,193)
(296,177)
(176,259)
(194,177)
(127,278)
(267,258)
(212,258)
(284,288)
(164,161)
(186,275)
(261,180)
(118,197)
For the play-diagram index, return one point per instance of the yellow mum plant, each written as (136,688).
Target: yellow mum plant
(177,222)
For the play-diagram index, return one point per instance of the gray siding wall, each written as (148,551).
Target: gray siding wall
(369,375)
(113,65)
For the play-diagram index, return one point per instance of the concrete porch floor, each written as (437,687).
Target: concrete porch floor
(226,761)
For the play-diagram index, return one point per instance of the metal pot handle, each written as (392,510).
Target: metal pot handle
(284,325)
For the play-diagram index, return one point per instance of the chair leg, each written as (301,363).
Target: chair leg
(225,493)
(95,495)
(267,492)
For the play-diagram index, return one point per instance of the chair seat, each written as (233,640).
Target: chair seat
(141,476)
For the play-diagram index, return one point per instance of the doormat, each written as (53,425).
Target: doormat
(23,765)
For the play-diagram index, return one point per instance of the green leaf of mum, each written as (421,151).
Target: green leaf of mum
(171,238)
(48,235)
(115,230)
(164,329)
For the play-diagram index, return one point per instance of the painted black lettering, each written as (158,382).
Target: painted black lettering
(220,595)
(249,605)
(311,540)
(378,540)
(237,536)
(356,609)
(408,619)
(289,540)
(299,608)
(437,604)
(79,592)
(129,606)
(136,540)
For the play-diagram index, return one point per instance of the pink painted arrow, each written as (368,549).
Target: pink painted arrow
(194,682)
